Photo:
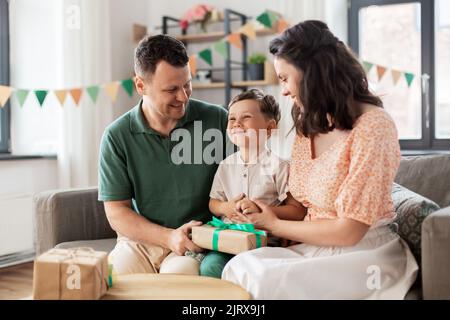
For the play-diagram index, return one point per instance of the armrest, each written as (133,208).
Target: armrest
(436,255)
(68,215)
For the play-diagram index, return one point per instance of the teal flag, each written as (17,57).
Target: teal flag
(128,86)
(41,95)
(21,95)
(206,55)
(93,92)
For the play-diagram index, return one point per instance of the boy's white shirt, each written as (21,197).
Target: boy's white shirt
(265,179)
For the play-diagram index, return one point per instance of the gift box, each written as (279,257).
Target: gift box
(229,238)
(71,274)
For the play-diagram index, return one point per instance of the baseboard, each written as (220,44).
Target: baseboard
(17,258)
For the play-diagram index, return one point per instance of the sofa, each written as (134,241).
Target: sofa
(74,218)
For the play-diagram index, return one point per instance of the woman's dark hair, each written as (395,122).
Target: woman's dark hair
(333,79)
(153,49)
(267,104)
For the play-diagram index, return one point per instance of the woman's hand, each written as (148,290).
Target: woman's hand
(266,219)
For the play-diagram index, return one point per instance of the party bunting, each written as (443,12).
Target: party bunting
(282,25)
(264,19)
(381,71)
(41,95)
(367,66)
(76,95)
(61,96)
(128,86)
(248,30)
(193,64)
(112,88)
(236,40)
(409,78)
(93,92)
(5,93)
(396,76)
(206,55)
(221,48)
(21,95)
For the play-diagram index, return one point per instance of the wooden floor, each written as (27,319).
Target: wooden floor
(16,282)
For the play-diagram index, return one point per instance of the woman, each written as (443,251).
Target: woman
(344,161)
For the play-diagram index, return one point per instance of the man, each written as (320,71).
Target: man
(152,200)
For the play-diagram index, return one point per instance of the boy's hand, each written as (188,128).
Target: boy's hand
(231,205)
(246,206)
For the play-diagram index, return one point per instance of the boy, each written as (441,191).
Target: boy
(253,172)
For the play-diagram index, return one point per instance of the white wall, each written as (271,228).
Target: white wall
(19,180)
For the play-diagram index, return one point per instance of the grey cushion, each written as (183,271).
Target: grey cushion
(411,209)
(98,245)
(428,176)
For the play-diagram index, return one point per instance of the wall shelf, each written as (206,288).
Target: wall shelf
(237,84)
(214,36)
(228,84)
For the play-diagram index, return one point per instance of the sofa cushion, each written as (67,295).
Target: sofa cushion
(427,175)
(411,209)
(98,245)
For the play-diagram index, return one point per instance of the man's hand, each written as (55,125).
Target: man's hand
(179,241)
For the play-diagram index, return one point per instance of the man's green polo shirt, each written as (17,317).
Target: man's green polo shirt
(137,163)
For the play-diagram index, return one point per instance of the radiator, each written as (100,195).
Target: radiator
(16,229)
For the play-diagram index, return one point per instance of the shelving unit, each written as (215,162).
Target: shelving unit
(228,84)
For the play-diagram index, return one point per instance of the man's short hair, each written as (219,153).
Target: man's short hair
(152,49)
(268,105)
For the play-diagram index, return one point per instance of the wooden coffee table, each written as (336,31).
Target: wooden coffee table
(173,287)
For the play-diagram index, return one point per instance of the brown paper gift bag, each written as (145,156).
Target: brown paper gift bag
(229,241)
(70,274)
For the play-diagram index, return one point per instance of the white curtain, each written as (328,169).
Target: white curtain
(61,44)
(86,61)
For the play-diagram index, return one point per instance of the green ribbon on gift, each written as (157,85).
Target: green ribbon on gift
(246,227)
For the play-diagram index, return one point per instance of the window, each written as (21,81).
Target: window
(4,74)
(405,47)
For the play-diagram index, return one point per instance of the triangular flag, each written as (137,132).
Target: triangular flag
(193,64)
(409,78)
(235,39)
(93,92)
(76,95)
(381,71)
(21,95)
(273,16)
(5,93)
(249,30)
(396,76)
(128,86)
(282,25)
(40,95)
(111,88)
(61,95)
(367,66)
(206,55)
(265,20)
(221,48)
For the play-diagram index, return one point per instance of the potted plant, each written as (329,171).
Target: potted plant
(256,66)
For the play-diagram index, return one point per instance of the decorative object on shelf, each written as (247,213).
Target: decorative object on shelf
(256,66)
(203,77)
(139,32)
(201,15)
